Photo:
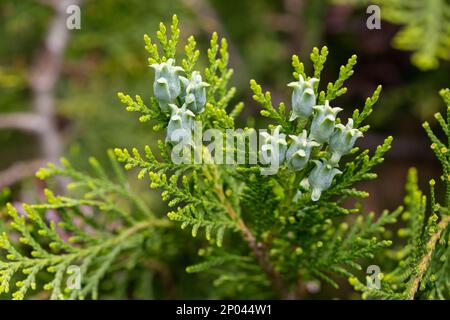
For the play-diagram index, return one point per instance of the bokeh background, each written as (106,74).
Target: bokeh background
(408,56)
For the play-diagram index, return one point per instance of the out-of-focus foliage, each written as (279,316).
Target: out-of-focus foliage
(425,27)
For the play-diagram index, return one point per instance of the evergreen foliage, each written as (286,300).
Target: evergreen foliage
(421,266)
(275,231)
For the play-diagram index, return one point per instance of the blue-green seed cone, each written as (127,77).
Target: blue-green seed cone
(194,92)
(181,123)
(273,148)
(321,177)
(343,140)
(299,152)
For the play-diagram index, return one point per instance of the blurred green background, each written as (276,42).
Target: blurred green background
(107,55)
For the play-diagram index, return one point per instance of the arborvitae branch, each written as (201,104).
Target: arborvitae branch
(56,247)
(422,270)
(278,221)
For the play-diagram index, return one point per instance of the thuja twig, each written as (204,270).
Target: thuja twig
(422,267)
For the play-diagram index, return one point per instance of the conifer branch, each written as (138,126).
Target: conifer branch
(258,249)
(424,263)
(292,220)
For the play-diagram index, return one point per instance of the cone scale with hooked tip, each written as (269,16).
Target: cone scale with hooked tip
(323,122)
(299,152)
(194,92)
(167,83)
(273,147)
(303,98)
(180,119)
(343,140)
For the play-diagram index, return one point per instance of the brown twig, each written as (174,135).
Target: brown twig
(258,248)
(44,73)
(424,263)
